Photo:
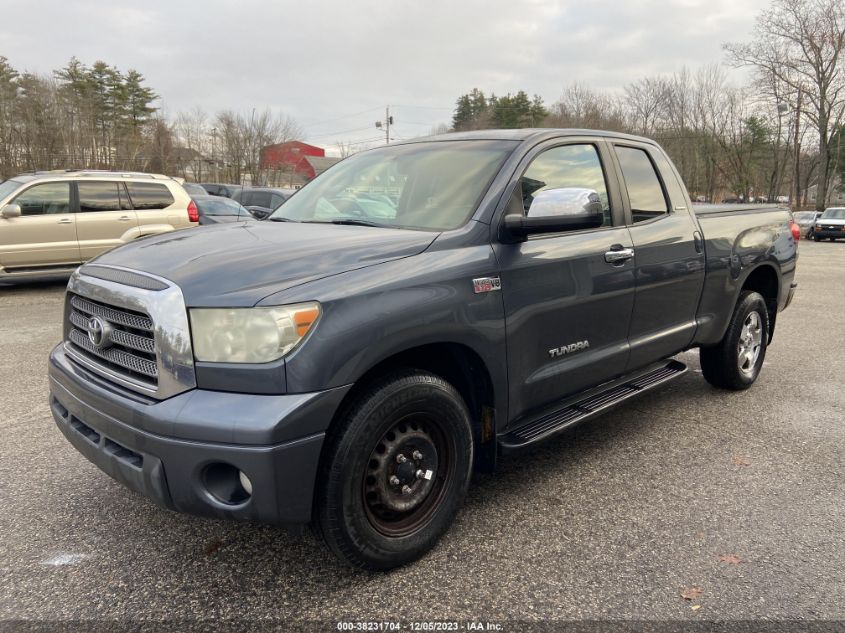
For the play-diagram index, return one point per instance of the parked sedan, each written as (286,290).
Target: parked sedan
(262,201)
(194,189)
(217,210)
(805,221)
(831,224)
(217,189)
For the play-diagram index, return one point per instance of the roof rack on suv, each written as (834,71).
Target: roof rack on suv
(125,174)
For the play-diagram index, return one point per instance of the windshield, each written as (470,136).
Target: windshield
(433,186)
(8,187)
(834,214)
(804,217)
(221,206)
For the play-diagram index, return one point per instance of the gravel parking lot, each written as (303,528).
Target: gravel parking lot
(738,495)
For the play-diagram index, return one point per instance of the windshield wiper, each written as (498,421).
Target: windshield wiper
(281,219)
(352,222)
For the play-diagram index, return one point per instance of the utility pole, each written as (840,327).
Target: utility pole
(388,121)
(796,201)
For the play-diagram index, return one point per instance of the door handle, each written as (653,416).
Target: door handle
(698,241)
(65,221)
(124,218)
(618,255)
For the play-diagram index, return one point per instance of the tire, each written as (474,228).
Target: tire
(735,361)
(363,512)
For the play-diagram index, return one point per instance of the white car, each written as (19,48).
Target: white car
(830,224)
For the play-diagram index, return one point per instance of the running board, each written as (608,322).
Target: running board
(552,423)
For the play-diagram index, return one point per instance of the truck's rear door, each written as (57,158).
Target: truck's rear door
(669,253)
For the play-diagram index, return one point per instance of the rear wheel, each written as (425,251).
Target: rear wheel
(395,471)
(735,361)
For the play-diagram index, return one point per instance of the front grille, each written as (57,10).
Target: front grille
(129,351)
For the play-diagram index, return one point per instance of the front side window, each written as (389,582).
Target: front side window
(49,198)
(98,196)
(571,167)
(434,186)
(149,195)
(644,190)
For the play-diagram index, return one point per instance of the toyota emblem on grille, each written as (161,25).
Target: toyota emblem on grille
(99,332)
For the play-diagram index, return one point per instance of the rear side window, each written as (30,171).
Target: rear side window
(149,195)
(51,197)
(644,190)
(98,196)
(260,199)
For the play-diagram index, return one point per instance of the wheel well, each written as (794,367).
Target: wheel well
(463,369)
(764,280)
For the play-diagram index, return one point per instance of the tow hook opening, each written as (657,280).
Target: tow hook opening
(227,484)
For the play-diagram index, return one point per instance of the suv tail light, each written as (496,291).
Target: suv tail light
(796,230)
(194,214)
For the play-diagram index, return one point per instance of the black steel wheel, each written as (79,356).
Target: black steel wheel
(394,471)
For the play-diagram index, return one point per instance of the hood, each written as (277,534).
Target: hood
(240,264)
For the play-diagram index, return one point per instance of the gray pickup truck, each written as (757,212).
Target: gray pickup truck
(407,318)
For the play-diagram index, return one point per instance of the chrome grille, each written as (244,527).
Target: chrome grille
(130,352)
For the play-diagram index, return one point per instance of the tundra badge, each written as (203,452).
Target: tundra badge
(563,350)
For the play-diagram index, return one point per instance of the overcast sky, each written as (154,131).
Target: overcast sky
(333,65)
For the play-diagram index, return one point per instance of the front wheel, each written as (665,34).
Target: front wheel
(735,361)
(395,471)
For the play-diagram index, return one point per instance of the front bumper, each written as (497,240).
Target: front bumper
(163,449)
(817,232)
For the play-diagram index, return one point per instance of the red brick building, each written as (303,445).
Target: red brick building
(293,157)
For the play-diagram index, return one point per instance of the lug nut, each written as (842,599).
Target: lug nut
(394,480)
(406,490)
(417,455)
(420,473)
(401,458)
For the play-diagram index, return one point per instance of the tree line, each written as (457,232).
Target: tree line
(774,136)
(97,117)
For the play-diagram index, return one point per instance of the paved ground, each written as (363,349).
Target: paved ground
(614,520)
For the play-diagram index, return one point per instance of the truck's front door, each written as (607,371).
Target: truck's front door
(669,254)
(567,308)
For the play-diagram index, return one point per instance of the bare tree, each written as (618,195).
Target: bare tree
(193,134)
(799,44)
(646,100)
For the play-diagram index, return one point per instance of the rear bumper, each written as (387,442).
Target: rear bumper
(112,430)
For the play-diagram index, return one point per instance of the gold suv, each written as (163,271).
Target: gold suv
(53,221)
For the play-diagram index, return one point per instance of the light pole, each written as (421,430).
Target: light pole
(213,152)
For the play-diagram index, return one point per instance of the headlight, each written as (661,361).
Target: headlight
(250,335)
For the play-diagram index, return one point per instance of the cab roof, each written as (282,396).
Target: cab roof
(527,134)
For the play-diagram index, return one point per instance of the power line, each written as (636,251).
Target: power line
(345,116)
(358,129)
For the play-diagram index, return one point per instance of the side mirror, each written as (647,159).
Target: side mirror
(11,211)
(557,210)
